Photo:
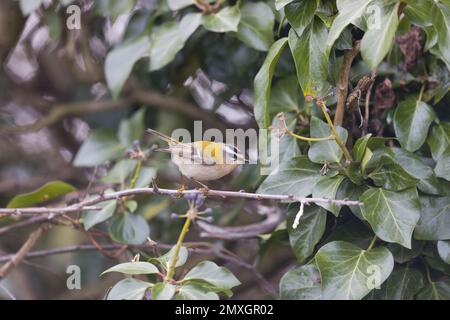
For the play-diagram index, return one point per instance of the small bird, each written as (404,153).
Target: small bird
(202,160)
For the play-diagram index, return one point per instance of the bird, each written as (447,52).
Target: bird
(201,161)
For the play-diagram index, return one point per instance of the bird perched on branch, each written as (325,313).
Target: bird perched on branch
(202,160)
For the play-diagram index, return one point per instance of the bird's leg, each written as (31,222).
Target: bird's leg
(181,188)
(204,189)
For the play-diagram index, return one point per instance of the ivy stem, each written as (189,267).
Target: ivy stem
(330,137)
(280,26)
(372,243)
(174,259)
(421,92)
(338,140)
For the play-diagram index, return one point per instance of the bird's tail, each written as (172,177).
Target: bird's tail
(162,136)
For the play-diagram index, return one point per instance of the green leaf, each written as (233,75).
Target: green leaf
(301,283)
(311,62)
(47,192)
(350,273)
(328,188)
(129,289)
(263,81)
(100,146)
(179,4)
(195,292)
(443,248)
(114,8)
(308,233)
(412,120)
(256,25)
(403,284)
(226,20)
(436,291)
(418,12)
(434,223)
(379,37)
(94,217)
(120,61)
(146,176)
(163,291)
(28,6)
(325,151)
(402,255)
(440,14)
(442,168)
(296,176)
(360,147)
(219,277)
(279,4)
(166,43)
(285,97)
(136,267)
(120,172)
(392,215)
(439,139)
(189,24)
(349,11)
(390,175)
(131,129)
(300,14)
(183,254)
(129,228)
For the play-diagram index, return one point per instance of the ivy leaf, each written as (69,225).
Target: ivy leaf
(349,11)
(131,129)
(164,260)
(285,97)
(436,291)
(325,151)
(163,291)
(120,61)
(310,230)
(434,223)
(347,272)
(440,14)
(311,62)
(360,147)
(129,289)
(256,25)
(280,4)
(442,168)
(296,176)
(263,81)
(135,267)
(301,283)
(114,8)
(443,248)
(28,6)
(392,215)
(391,175)
(179,4)
(220,277)
(300,14)
(49,191)
(402,255)
(146,176)
(92,218)
(129,228)
(100,146)
(439,139)
(195,292)
(227,19)
(120,172)
(412,120)
(166,43)
(379,36)
(189,24)
(328,188)
(403,284)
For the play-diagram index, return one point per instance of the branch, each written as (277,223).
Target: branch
(344,74)
(87,204)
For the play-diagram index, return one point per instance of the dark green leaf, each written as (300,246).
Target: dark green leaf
(327,188)
(210,272)
(135,267)
(311,62)
(300,14)
(440,14)
(129,289)
(120,172)
(325,151)
(263,81)
(100,146)
(129,228)
(308,233)
(402,254)
(434,223)
(436,291)
(392,215)
(296,176)
(256,25)
(47,192)
(403,284)
(348,272)
(131,129)
(91,218)
(412,120)
(285,97)
(227,19)
(195,292)
(302,283)
(439,139)
(443,248)
(163,291)
(442,168)
(360,147)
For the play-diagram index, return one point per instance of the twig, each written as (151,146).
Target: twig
(26,247)
(87,204)
(344,74)
(367,104)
